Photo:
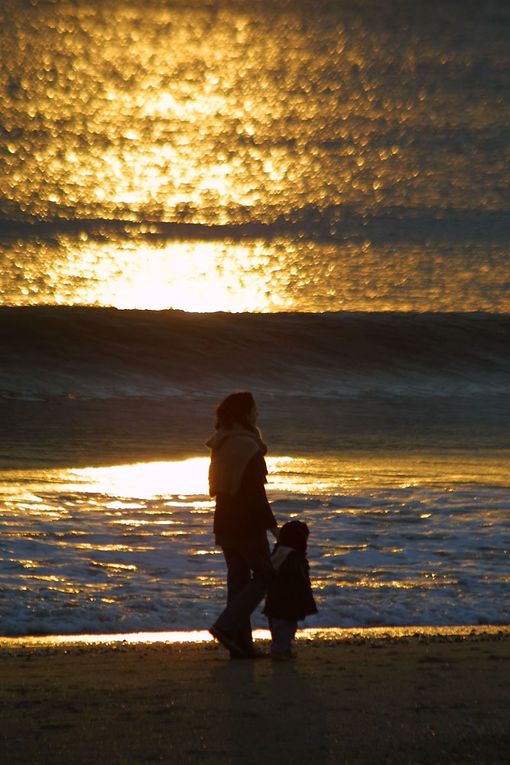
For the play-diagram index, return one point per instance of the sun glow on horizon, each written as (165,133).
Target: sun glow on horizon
(201,276)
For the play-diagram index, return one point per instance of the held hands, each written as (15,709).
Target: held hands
(275,531)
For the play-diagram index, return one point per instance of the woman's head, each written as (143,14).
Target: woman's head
(237,409)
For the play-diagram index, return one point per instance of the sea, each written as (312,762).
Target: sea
(308,200)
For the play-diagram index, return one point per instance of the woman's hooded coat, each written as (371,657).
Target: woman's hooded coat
(237,475)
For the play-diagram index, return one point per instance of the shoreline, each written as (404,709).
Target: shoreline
(319,635)
(429,699)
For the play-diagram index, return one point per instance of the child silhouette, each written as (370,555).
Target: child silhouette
(289,598)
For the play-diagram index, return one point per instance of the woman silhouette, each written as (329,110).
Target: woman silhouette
(237,476)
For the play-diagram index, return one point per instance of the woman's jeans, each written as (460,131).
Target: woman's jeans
(249,574)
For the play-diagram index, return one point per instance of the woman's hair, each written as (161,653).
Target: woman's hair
(234,410)
(294,534)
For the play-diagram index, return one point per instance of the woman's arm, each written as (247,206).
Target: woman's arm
(252,494)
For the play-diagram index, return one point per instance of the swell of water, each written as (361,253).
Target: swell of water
(94,353)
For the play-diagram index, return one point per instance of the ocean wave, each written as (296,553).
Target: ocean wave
(420,555)
(102,352)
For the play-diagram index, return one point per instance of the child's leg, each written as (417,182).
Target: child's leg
(282,634)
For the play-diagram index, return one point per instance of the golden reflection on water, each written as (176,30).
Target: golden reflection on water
(215,114)
(186,481)
(145,480)
(184,110)
(142,481)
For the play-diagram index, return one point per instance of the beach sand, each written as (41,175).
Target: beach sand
(408,700)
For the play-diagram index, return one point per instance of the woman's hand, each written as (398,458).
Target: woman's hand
(275,531)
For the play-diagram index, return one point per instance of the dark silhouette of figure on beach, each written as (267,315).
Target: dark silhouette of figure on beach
(237,477)
(290,596)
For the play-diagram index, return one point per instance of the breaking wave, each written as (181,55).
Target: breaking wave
(103,352)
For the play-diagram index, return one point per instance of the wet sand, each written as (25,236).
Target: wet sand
(408,700)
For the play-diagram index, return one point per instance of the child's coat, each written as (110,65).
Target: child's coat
(290,593)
